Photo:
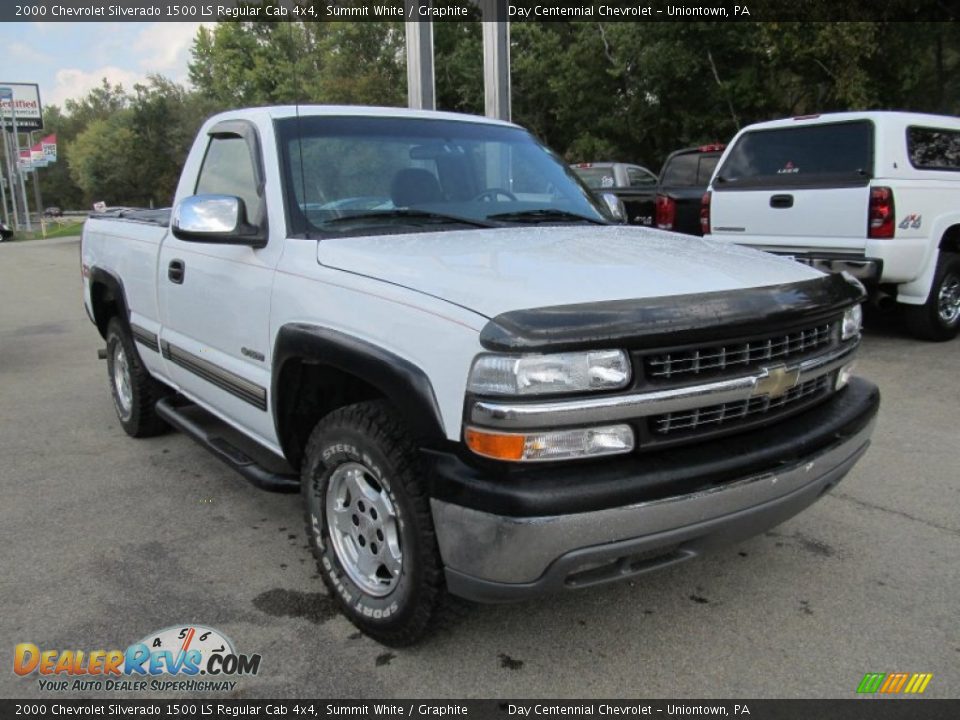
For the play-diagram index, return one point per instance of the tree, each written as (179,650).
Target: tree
(100,161)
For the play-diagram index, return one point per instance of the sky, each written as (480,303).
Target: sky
(69,59)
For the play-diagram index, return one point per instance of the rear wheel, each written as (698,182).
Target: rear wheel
(939,318)
(369,522)
(134,392)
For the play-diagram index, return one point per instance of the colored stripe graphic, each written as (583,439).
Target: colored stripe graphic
(918,683)
(871,682)
(892,683)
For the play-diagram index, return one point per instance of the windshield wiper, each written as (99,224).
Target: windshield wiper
(544,215)
(407,214)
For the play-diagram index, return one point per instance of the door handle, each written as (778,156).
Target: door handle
(781,201)
(175,271)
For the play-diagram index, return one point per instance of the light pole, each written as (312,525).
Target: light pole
(421,87)
(7,94)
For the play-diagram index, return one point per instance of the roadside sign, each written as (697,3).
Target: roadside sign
(24,99)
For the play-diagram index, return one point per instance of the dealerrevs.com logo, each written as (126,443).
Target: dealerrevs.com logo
(185,658)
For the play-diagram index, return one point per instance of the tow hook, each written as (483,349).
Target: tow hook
(101,354)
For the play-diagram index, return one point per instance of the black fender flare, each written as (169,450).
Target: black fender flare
(114,285)
(401,382)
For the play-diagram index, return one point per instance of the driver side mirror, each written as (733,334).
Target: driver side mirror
(215,219)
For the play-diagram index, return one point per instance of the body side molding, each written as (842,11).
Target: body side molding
(228,381)
(145,337)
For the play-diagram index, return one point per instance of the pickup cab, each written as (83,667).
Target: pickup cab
(873,194)
(479,384)
(633,186)
(683,180)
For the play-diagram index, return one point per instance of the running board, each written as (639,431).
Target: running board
(170,411)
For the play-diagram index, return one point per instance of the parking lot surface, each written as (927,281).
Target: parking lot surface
(107,539)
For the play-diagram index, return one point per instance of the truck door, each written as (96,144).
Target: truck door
(215,298)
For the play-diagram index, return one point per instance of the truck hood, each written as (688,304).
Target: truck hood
(499,270)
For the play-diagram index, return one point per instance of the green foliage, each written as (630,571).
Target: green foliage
(132,146)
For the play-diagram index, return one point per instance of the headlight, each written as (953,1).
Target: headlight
(557,373)
(551,444)
(852,321)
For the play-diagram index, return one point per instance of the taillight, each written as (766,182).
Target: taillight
(705,213)
(881,215)
(666,212)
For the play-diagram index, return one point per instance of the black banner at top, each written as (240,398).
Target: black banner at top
(469,10)
(544,709)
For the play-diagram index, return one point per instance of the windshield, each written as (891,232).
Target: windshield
(690,169)
(365,175)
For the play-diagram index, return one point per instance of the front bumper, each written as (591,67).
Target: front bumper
(492,557)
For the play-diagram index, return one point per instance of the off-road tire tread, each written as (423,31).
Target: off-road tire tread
(377,421)
(922,321)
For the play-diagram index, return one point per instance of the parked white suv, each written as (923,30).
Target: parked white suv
(875,194)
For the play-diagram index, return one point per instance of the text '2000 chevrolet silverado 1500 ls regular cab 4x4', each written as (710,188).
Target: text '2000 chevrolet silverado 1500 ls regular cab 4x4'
(478,383)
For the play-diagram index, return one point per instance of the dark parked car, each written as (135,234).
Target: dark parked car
(683,181)
(6,232)
(53,212)
(633,185)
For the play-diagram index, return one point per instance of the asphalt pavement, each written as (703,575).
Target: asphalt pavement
(106,539)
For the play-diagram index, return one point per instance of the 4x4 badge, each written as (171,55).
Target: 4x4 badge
(913,220)
(776,381)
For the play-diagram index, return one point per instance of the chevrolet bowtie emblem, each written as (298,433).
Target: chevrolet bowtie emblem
(776,381)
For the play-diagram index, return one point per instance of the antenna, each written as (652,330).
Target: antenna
(297,91)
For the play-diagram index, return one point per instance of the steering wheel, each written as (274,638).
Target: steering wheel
(491,194)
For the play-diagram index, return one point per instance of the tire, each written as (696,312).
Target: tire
(939,318)
(134,392)
(369,523)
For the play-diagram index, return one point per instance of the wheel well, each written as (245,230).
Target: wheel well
(950,242)
(105,305)
(305,393)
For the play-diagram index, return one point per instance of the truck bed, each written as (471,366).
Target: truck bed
(151,216)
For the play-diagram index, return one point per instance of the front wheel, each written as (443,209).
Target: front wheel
(939,318)
(369,522)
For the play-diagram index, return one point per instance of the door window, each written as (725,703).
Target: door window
(228,170)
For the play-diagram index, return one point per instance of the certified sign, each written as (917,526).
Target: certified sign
(24,99)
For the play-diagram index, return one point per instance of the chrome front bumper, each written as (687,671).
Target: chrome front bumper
(494,558)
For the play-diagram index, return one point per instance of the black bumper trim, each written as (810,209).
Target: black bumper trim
(561,488)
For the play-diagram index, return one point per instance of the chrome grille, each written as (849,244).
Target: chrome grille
(690,420)
(718,358)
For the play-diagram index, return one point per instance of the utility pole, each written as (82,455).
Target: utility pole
(10,179)
(421,85)
(7,94)
(19,173)
(3,198)
(496,58)
(36,180)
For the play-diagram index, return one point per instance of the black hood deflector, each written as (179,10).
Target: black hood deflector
(672,320)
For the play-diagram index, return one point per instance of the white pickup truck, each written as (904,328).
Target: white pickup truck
(875,194)
(427,326)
